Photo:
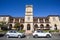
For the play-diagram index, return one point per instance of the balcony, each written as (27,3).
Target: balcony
(41,20)
(11,20)
(35,20)
(47,21)
(16,20)
(22,21)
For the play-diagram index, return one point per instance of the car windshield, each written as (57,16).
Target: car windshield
(39,31)
(12,31)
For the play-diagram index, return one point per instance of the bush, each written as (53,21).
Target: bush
(2,32)
(54,30)
(21,31)
(51,30)
(46,30)
(4,28)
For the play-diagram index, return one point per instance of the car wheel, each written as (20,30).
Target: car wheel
(48,36)
(19,36)
(35,36)
(7,36)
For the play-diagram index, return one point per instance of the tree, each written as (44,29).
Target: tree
(3,25)
(17,25)
(0,26)
(2,22)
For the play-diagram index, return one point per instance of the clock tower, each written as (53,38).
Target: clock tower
(28,26)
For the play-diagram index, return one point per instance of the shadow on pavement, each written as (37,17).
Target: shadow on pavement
(1,35)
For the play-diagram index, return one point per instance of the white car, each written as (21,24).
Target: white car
(40,33)
(13,33)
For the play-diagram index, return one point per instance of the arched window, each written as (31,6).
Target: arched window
(28,26)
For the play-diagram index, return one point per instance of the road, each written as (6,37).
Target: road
(54,37)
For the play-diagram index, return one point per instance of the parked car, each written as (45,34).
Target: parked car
(40,33)
(14,33)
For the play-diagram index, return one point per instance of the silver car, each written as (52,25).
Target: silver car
(13,33)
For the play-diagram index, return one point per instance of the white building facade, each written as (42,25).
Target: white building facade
(29,23)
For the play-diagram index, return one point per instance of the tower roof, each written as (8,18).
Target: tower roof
(29,6)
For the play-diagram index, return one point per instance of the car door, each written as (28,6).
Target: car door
(11,33)
(40,33)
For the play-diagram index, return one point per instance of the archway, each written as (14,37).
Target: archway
(35,26)
(55,27)
(42,26)
(28,27)
(21,27)
(10,26)
(47,26)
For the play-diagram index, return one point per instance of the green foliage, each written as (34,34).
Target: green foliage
(17,25)
(2,32)
(1,25)
(46,30)
(21,31)
(3,22)
(51,30)
(54,30)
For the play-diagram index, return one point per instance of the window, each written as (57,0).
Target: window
(10,31)
(0,17)
(29,10)
(14,32)
(28,18)
(40,31)
(4,18)
(59,19)
(28,26)
(53,18)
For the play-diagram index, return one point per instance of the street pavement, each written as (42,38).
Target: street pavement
(30,37)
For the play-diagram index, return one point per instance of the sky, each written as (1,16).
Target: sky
(16,8)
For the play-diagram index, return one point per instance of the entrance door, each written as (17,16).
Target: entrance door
(55,27)
(21,27)
(28,27)
(10,26)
